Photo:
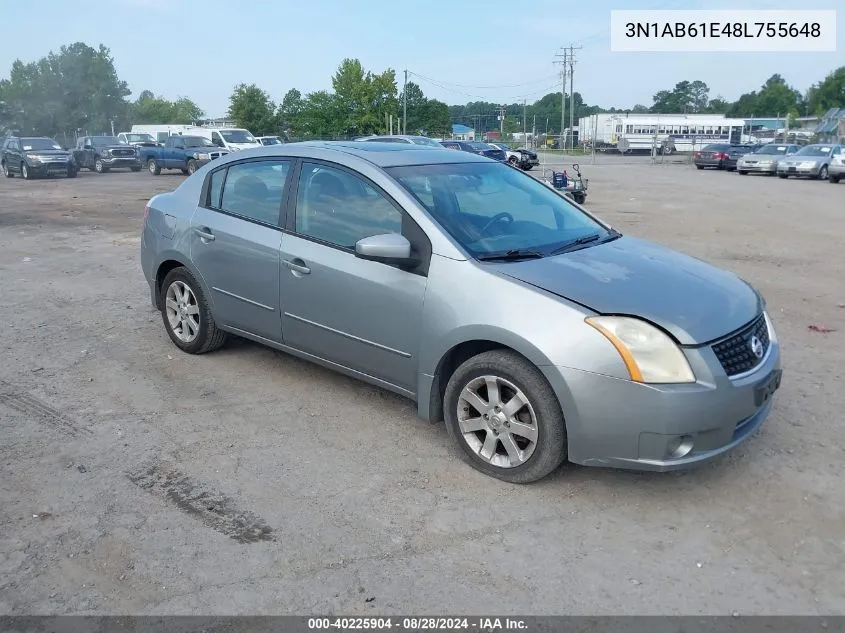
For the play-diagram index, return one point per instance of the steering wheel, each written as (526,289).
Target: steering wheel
(504,215)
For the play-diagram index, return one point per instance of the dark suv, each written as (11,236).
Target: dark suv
(102,153)
(474,147)
(33,156)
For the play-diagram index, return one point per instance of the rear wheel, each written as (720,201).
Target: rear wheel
(505,417)
(152,167)
(833,179)
(186,314)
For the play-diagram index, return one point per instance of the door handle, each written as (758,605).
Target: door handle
(205,234)
(297,265)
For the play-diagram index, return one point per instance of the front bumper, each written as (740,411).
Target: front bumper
(799,171)
(622,424)
(121,161)
(51,168)
(768,168)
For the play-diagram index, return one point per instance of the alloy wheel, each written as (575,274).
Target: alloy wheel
(183,312)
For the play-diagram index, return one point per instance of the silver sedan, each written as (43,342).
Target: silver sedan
(811,160)
(537,331)
(765,159)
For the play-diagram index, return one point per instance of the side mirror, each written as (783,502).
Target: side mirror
(88,147)
(390,248)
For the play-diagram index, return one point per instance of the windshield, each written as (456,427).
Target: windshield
(237,136)
(38,144)
(103,141)
(271,140)
(814,150)
(490,208)
(507,148)
(140,138)
(427,141)
(479,147)
(773,150)
(715,148)
(197,141)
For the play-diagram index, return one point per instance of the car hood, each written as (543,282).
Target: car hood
(48,152)
(689,298)
(111,147)
(796,160)
(759,157)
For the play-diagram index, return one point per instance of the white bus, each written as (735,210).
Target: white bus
(664,132)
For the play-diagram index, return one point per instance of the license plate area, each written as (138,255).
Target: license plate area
(766,388)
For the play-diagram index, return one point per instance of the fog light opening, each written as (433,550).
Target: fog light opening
(679,447)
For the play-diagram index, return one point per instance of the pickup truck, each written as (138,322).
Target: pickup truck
(186,153)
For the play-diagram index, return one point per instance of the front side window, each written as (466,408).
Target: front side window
(105,141)
(254,190)
(339,208)
(217,139)
(491,209)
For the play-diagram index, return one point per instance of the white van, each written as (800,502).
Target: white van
(160,132)
(233,139)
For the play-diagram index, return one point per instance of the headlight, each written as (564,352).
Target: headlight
(35,158)
(808,163)
(202,156)
(765,162)
(648,353)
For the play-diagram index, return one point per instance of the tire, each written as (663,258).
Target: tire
(192,167)
(6,171)
(580,198)
(152,167)
(25,171)
(832,179)
(784,176)
(136,169)
(71,173)
(823,173)
(699,166)
(204,336)
(527,167)
(742,172)
(514,161)
(184,172)
(100,166)
(541,416)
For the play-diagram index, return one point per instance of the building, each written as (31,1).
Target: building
(831,128)
(462,132)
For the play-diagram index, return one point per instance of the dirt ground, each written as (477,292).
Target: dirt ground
(135,479)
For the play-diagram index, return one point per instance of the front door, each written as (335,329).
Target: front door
(235,242)
(360,314)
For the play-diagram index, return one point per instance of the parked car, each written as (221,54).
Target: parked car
(836,169)
(523,158)
(811,160)
(608,349)
(31,156)
(476,147)
(269,140)
(137,139)
(735,152)
(102,153)
(765,159)
(186,153)
(715,155)
(402,138)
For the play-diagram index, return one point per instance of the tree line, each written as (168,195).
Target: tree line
(77,89)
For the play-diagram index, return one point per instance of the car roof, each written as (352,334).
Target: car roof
(380,154)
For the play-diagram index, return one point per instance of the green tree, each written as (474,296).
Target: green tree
(76,88)
(251,108)
(827,94)
(686,96)
(290,112)
(435,118)
(321,117)
(150,108)
(775,97)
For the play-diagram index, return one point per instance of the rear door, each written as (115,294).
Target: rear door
(13,156)
(235,240)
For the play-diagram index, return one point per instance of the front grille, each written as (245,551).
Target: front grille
(735,353)
(123,153)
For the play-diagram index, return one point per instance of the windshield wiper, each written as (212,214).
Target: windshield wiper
(511,255)
(576,243)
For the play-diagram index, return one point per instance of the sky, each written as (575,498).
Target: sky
(456,50)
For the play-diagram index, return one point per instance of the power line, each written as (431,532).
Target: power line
(449,83)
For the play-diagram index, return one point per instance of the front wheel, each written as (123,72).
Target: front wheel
(784,176)
(6,171)
(699,166)
(742,172)
(187,316)
(514,161)
(823,173)
(192,167)
(833,179)
(100,166)
(71,172)
(505,417)
(25,172)
(152,167)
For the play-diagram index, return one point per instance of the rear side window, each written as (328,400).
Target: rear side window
(254,190)
(215,188)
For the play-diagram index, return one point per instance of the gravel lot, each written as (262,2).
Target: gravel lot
(135,479)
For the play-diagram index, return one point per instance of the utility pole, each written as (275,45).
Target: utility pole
(524,121)
(562,63)
(501,123)
(405,105)
(534,132)
(572,50)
